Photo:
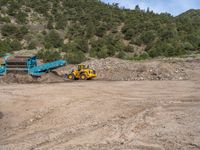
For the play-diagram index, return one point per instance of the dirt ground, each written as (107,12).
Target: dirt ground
(102,115)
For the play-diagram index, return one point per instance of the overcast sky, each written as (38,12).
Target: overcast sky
(175,7)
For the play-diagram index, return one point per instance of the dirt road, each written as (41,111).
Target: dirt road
(101,115)
(106,115)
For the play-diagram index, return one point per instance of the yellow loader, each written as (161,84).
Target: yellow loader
(82,73)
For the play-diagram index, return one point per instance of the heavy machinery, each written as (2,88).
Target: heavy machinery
(2,67)
(82,73)
(28,64)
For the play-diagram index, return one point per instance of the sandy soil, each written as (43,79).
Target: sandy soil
(103,115)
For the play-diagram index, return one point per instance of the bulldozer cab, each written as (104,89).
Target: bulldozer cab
(82,67)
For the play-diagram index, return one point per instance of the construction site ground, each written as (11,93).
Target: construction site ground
(159,112)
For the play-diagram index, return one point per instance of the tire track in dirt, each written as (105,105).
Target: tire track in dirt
(119,121)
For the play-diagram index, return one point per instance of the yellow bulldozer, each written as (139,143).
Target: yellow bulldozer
(82,73)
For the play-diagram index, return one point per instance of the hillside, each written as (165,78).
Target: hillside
(89,28)
(192,14)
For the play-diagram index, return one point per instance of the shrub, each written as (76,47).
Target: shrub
(21,32)
(5,19)
(103,53)
(93,52)
(15,45)
(148,37)
(129,48)
(82,44)
(21,17)
(143,56)
(9,30)
(48,55)
(32,45)
(6,46)
(129,34)
(53,39)
(121,55)
(75,57)
(101,30)
(188,46)
(167,49)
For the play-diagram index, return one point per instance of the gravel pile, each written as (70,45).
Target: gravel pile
(112,69)
(117,69)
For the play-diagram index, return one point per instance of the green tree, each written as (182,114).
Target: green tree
(21,17)
(32,45)
(48,55)
(121,55)
(129,48)
(75,57)
(103,53)
(9,30)
(148,37)
(90,30)
(7,46)
(53,38)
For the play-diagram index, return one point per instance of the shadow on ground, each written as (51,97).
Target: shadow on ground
(1,115)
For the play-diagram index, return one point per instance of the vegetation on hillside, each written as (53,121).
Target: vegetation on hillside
(75,28)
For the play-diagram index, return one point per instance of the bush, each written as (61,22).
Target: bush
(53,39)
(48,55)
(21,17)
(143,56)
(6,46)
(121,55)
(5,19)
(148,37)
(101,30)
(32,45)
(128,32)
(75,57)
(137,41)
(188,46)
(15,45)
(103,53)
(21,32)
(68,47)
(82,44)
(129,48)
(93,52)
(9,30)
(167,49)
(194,40)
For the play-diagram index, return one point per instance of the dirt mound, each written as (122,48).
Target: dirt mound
(25,78)
(117,69)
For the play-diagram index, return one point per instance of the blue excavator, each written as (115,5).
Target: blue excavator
(28,64)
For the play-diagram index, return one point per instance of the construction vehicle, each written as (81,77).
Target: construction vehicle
(82,73)
(28,64)
(2,67)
